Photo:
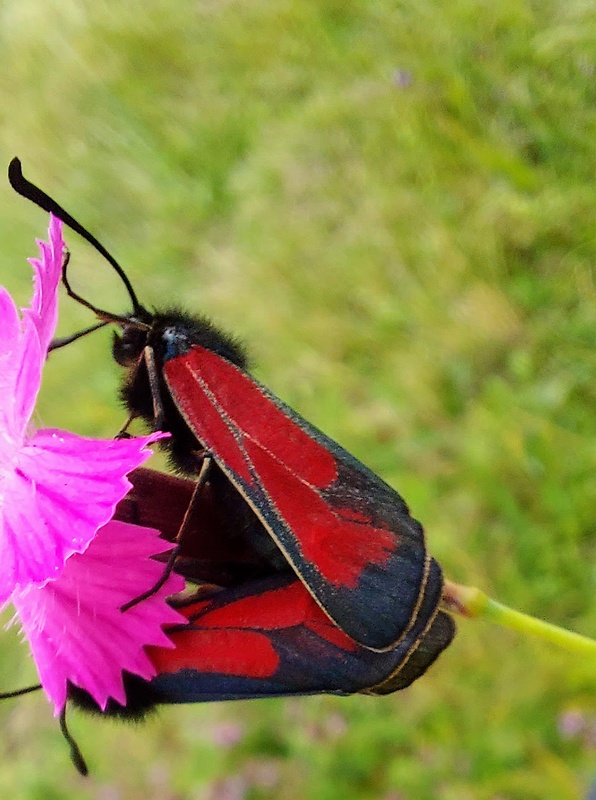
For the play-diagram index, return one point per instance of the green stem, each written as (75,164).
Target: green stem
(471,602)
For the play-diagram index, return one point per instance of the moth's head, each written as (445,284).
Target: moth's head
(134,336)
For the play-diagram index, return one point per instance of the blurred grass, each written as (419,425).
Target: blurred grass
(394,205)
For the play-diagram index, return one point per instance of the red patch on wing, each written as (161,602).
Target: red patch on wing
(228,640)
(340,549)
(248,410)
(231,652)
(276,608)
(206,420)
(326,630)
(232,416)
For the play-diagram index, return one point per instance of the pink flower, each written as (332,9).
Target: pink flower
(56,488)
(74,625)
(64,565)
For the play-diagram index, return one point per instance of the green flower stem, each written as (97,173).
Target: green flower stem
(471,602)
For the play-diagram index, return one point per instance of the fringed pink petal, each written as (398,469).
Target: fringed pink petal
(60,490)
(47,272)
(28,378)
(24,344)
(39,322)
(74,625)
(11,357)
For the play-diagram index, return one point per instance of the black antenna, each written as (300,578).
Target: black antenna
(20,692)
(33,193)
(75,752)
(62,341)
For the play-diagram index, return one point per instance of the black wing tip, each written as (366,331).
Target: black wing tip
(384,615)
(423,655)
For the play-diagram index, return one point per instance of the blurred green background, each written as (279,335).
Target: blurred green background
(394,205)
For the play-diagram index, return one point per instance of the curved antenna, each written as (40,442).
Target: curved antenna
(19,692)
(62,341)
(33,193)
(105,316)
(75,751)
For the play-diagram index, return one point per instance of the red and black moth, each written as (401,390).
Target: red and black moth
(261,636)
(251,632)
(309,509)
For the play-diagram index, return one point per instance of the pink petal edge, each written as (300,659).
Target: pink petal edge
(62,489)
(39,321)
(24,342)
(75,628)
(47,273)
(10,359)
